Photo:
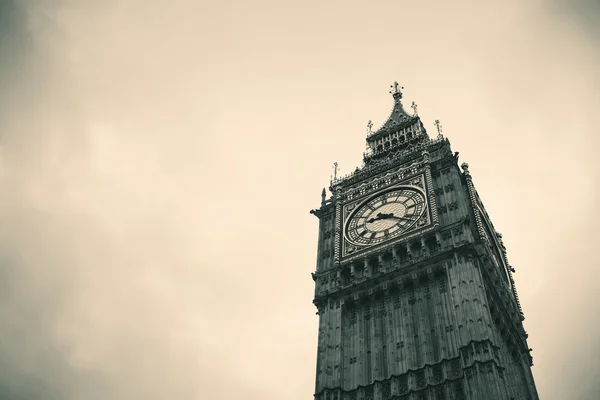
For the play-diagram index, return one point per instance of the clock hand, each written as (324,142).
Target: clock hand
(381,216)
(393,216)
(378,217)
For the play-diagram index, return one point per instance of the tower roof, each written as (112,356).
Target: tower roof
(401,130)
(398,138)
(399,117)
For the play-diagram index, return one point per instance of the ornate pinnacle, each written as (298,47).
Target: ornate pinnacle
(414,107)
(439,127)
(396,90)
(465,168)
(369,127)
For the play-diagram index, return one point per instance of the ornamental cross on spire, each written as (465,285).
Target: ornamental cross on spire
(438,126)
(396,90)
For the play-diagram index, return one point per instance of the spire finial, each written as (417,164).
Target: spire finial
(439,127)
(414,107)
(369,127)
(323,196)
(335,169)
(396,90)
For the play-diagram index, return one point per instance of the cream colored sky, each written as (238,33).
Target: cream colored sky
(158,161)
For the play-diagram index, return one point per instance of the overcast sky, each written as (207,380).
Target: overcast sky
(158,161)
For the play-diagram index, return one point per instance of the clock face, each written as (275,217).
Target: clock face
(384,216)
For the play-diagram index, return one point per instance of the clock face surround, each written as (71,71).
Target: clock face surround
(384,216)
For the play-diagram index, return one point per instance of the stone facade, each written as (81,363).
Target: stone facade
(425,313)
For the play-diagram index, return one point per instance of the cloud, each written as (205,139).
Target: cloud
(157,165)
(586,14)
(32,366)
(89,269)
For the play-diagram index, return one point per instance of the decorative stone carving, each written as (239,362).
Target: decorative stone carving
(420,379)
(455,369)
(439,393)
(438,373)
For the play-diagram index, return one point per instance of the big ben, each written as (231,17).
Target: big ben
(414,293)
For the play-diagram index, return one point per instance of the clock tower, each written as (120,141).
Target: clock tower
(414,292)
